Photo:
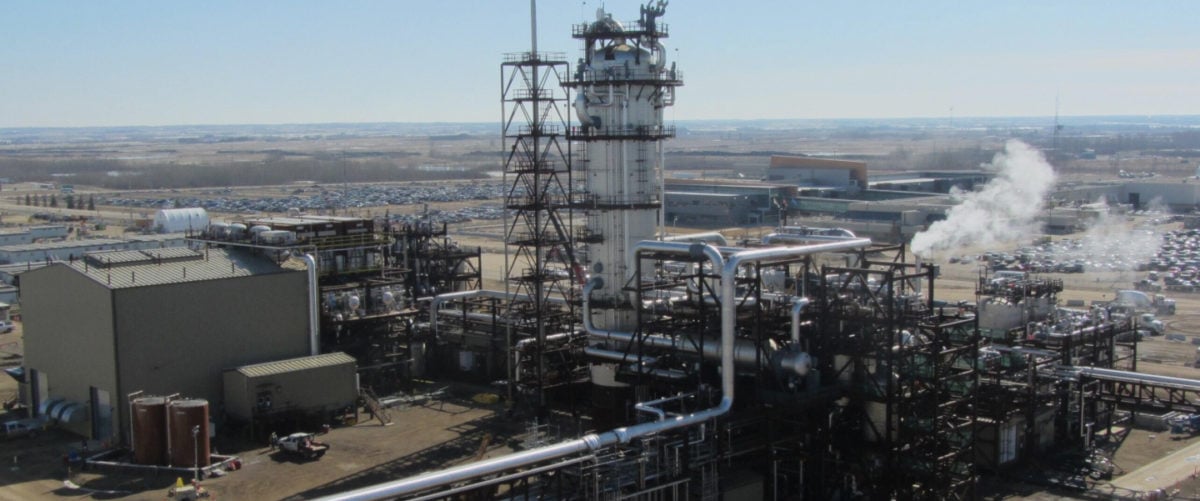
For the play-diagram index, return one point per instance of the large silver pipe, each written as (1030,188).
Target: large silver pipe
(455,296)
(1135,377)
(711,237)
(787,238)
(618,356)
(314,307)
(593,442)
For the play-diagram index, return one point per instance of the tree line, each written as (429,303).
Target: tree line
(70,201)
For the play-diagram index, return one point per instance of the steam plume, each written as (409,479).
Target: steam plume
(1005,208)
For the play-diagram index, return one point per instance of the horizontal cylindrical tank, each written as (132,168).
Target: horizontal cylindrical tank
(218,229)
(150,431)
(189,432)
(277,237)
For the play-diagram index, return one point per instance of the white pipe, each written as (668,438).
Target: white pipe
(593,442)
(797,309)
(314,308)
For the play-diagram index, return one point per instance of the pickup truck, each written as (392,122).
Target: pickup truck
(21,428)
(302,444)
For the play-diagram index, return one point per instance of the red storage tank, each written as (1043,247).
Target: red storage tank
(184,415)
(150,431)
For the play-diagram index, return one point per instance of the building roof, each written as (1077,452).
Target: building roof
(90,242)
(172,265)
(295,364)
(779,161)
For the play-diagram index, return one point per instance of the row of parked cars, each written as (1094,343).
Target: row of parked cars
(312,198)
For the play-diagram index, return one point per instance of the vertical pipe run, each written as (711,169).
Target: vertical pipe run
(314,308)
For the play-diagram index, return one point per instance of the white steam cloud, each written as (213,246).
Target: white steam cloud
(1005,208)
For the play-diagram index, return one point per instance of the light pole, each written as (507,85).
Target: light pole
(196,449)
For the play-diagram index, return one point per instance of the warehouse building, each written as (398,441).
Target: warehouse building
(842,175)
(165,322)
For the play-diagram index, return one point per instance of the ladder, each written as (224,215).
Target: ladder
(377,410)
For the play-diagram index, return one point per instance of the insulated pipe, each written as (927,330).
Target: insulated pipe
(454,296)
(1135,377)
(314,307)
(593,442)
(618,356)
(797,309)
(712,237)
(776,238)
(524,344)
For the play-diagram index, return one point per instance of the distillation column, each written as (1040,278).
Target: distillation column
(622,84)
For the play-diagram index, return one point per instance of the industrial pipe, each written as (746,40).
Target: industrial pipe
(1134,377)
(618,356)
(593,442)
(314,308)
(745,352)
(712,237)
(798,308)
(453,296)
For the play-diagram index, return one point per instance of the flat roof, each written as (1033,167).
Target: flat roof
(705,194)
(91,242)
(149,267)
(295,364)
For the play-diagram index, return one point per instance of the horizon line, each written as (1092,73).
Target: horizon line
(435,123)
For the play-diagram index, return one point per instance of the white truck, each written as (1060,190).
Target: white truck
(21,428)
(1155,326)
(302,444)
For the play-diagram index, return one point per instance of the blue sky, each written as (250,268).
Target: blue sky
(88,63)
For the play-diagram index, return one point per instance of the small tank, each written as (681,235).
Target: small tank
(237,231)
(150,431)
(187,447)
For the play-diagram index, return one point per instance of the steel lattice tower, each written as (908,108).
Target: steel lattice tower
(539,257)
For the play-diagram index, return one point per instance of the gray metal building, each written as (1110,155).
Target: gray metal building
(163,322)
(322,383)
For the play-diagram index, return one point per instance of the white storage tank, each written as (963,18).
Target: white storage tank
(181,220)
